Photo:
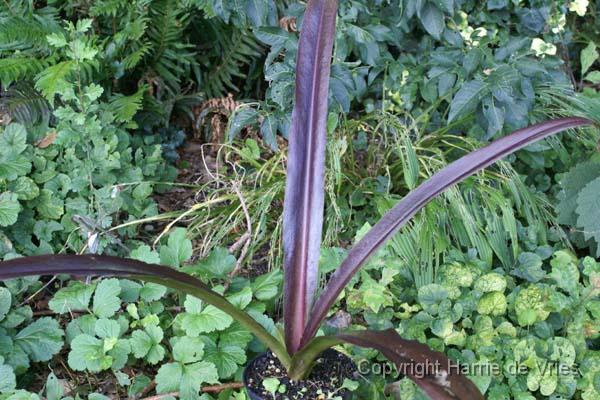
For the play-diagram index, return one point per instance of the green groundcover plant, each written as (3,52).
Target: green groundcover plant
(303,219)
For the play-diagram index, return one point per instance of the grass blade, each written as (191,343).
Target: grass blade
(418,198)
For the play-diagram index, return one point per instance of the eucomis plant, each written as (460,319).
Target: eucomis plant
(303,221)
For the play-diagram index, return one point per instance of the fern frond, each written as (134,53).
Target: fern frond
(26,105)
(206,6)
(171,57)
(108,8)
(53,79)
(232,50)
(19,68)
(25,34)
(125,107)
(134,58)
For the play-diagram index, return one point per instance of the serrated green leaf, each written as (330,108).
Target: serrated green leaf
(218,263)
(9,208)
(146,254)
(588,212)
(48,205)
(54,79)
(188,350)
(106,298)
(572,183)
(227,358)
(168,378)
(41,340)
(242,298)
(178,249)
(87,353)
(75,297)
(13,140)
(208,320)
(589,55)
(5,302)
(186,379)
(8,380)
(12,168)
(107,329)
(266,287)
(146,344)
(195,375)
(467,98)
(44,230)
(152,292)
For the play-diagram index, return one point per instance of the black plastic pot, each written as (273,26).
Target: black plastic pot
(252,366)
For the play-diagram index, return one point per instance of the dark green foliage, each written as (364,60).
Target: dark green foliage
(26,105)
(183,50)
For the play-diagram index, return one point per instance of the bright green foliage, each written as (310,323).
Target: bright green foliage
(103,351)
(492,282)
(8,380)
(178,250)
(229,354)
(63,180)
(492,303)
(198,319)
(113,323)
(534,338)
(106,298)
(531,305)
(40,340)
(146,344)
(75,297)
(187,373)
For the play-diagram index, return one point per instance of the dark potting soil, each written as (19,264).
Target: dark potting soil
(324,381)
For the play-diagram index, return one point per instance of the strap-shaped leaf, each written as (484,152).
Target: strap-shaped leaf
(304,192)
(435,373)
(115,266)
(418,198)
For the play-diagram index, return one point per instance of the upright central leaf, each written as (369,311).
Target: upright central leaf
(304,193)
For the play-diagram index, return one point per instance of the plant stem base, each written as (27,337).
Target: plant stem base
(324,382)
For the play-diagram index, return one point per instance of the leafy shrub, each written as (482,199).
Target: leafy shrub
(167,45)
(121,323)
(525,328)
(462,64)
(67,184)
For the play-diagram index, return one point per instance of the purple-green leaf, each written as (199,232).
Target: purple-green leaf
(304,192)
(418,198)
(85,265)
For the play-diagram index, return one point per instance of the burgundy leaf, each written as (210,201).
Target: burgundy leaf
(95,265)
(304,192)
(435,373)
(418,198)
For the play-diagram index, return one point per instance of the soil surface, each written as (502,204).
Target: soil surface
(323,383)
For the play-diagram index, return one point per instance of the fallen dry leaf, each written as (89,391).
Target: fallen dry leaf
(47,140)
